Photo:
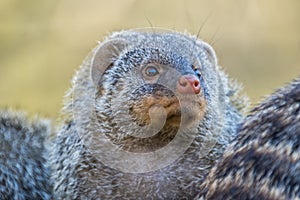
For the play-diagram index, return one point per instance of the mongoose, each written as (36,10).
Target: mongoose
(148,114)
(263,162)
(24,173)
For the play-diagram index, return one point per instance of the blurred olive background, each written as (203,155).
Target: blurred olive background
(42,43)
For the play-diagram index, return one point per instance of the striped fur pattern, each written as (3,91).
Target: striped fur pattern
(263,162)
(23,170)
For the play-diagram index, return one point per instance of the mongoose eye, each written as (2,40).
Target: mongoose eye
(197,71)
(151,70)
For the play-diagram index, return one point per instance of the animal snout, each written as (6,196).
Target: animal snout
(188,84)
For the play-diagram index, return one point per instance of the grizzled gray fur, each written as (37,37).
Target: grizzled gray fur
(112,78)
(23,170)
(263,162)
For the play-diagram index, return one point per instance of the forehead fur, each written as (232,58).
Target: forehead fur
(185,45)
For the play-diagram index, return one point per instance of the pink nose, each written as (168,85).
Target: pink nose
(188,84)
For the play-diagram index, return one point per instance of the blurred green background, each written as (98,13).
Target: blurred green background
(42,43)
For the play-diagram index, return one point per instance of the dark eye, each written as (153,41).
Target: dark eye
(151,70)
(197,71)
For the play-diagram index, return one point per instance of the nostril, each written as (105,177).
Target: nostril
(196,83)
(183,81)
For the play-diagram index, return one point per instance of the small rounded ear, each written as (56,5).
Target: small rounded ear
(104,57)
(210,52)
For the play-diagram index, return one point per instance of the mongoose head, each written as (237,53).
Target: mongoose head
(153,80)
(142,99)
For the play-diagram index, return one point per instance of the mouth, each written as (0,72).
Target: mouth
(174,109)
(157,121)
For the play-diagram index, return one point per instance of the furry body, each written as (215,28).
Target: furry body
(98,101)
(263,162)
(24,173)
